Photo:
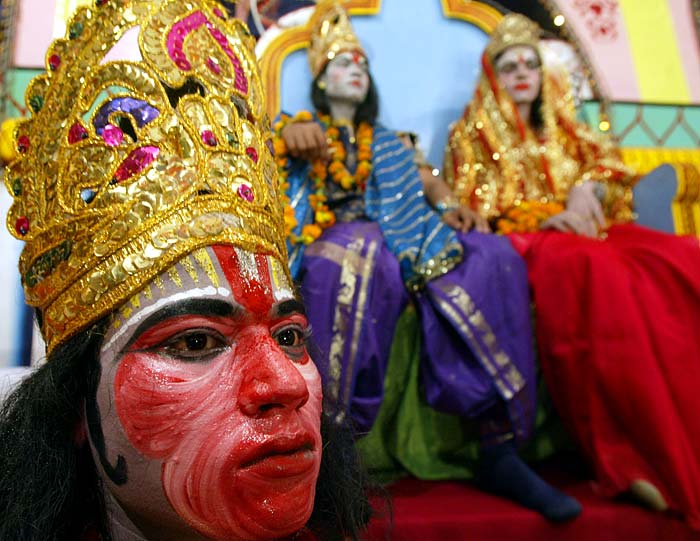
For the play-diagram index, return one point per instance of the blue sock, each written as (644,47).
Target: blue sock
(502,472)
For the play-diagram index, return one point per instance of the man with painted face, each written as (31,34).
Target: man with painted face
(178,400)
(364,241)
(616,304)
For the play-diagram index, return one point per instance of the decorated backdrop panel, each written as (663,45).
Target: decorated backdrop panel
(642,50)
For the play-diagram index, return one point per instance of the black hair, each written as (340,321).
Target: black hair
(49,486)
(342,508)
(367,111)
(536,117)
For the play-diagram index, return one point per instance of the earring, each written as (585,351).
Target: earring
(321,85)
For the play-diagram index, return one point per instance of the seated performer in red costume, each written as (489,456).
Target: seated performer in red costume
(178,400)
(617,306)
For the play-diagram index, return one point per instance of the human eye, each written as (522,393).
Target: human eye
(193,345)
(533,64)
(507,67)
(292,339)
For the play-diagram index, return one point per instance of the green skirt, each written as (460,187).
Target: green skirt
(411,438)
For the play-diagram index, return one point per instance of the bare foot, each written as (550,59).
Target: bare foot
(647,494)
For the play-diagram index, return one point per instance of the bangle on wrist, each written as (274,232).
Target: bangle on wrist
(446,204)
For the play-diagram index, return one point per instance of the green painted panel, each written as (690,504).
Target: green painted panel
(650,125)
(18,80)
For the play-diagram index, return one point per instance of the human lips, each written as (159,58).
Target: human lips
(522,86)
(282,456)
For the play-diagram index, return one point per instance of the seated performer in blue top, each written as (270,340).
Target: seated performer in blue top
(364,242)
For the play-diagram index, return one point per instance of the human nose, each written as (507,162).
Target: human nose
(356,70)
(521,70)
(272,383)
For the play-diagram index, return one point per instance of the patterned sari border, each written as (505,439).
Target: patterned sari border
(458,307)
(343,309)
(365,278)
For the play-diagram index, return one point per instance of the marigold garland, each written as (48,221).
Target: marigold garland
(526,217)
(339,173)
(323,216)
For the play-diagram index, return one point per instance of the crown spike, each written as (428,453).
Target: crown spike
(514,29)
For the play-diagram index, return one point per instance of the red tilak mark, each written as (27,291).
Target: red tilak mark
(254,296)
(356,57)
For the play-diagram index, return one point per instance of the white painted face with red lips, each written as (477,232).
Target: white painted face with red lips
(209,404)
(347,78)
(519,73)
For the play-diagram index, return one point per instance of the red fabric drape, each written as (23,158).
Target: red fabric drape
(442,510)
(618,328)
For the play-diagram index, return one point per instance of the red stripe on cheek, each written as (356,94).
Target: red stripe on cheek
(155,400)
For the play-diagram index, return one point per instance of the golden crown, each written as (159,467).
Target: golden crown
(127,165)
(514,29)
(331,34)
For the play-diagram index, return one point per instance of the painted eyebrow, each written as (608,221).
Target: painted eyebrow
(194,307)
(291,306)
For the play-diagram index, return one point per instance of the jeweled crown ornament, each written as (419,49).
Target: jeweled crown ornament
(514,29)
(126,165)
(331,34)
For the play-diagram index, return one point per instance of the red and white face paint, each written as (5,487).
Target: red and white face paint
(519,72)
(211,401)
(347,78)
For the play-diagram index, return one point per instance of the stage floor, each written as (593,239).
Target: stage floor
(456,511)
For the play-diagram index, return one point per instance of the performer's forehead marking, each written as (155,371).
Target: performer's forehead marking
(140,315)
(245,275)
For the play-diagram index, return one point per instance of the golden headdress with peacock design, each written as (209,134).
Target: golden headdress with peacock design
(147,140)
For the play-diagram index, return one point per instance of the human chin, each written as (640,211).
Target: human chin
(352,91)
(523,95)
(271,498)
(268,498)
(252,482)
(358,94)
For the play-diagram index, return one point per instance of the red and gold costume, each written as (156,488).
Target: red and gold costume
(616,315)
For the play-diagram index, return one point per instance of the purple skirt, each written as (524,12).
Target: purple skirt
(477,336)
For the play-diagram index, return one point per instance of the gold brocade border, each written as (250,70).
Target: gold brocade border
(335,253)
(343,307)
(367,272)
(291,40)
(685,207)
(355,275)
(476,13)
(505,374)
